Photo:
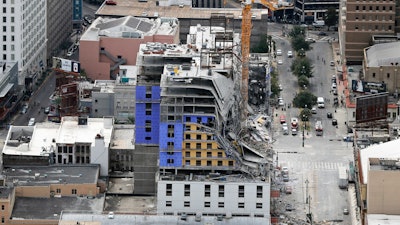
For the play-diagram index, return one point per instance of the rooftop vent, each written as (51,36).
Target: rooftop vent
(82,121)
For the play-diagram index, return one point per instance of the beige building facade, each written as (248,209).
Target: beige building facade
(363,19)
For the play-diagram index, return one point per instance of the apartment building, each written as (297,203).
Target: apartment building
(360,21)
(23,37)
(111,42)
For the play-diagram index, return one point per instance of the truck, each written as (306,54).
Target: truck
(318,23)
(343,177)
(318,128)
(294,122)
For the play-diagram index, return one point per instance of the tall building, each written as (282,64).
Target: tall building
(23,27)
(361,20)
(310,11)
(59,24)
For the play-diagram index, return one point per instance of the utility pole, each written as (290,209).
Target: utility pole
(306,190)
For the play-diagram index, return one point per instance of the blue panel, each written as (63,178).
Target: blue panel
(156,92)
(167,160)
(175,159)
(140,93)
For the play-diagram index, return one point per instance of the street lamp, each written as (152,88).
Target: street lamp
(304,122)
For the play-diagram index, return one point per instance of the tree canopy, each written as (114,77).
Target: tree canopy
(302,67)
(331,17)
(305,98)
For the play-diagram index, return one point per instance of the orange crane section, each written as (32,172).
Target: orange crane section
(245,47)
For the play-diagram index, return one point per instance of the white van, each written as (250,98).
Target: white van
(320,102)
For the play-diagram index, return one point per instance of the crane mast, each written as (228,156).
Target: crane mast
(245,48)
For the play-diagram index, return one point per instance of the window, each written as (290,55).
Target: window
(170,161)
(198,163)
(221,190)
(4,19)
(388,75)
(198,154)
(357,7)
(58,190)
(220,204)
(186,204)
(207,204)
(198,145)
(73,191)
(259,205)
(207,190)
(259,191)
(4,9)
(148,105)
(2,220)
(187,154)
(148,129)
(4,38)
(2,207)
(4,47)
(148,95)
(198,136)
(187,190)
(373,74)
(241,205)
(241,191)
(230,163)
(209,146)
(168,190)
(209,163)
(187,136)
(4,28)
(12,28)
(168,203)
(219,163)
(148,113)
(12,9)
(187,145)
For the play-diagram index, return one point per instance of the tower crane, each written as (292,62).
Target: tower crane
(245,48)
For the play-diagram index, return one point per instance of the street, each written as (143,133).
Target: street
(313,169)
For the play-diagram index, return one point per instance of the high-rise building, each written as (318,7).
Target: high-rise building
(23,37)
(361,20)
(59,24)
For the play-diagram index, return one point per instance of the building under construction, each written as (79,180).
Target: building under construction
(192,114)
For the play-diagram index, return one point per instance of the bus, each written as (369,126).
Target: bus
(343,177)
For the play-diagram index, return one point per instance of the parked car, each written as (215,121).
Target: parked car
(289,54)
(321,33)
(329,115)
(345,211)
(280,62)
(334,122)
(24,109)
(31,122)
(47,110)
(288,189)
(285,177)
(278,52)
(280,102)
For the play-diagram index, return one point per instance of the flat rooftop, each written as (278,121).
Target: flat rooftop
(124,137)
(47,175)
(135,8)
(51,208)
(41,139)
(160,220)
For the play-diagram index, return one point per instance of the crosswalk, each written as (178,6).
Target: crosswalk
(308,165)
(325,39)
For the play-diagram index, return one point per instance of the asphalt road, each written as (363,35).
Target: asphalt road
(317,162)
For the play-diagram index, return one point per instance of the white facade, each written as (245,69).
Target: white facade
(23,35)
(210,198)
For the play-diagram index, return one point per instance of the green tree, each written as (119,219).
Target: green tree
(304,98)
(305,114)
(299,43)
(297,31)
(302,67)
(303,81)
(274,84)
(331,17)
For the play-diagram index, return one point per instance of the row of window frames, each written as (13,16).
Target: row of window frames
(73,191)
(5,19)
(241,205)
(363,17)
(394,115)
(376,27)
(372,8)
(198,162)
(207,190)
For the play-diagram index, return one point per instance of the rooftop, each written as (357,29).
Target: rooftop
(385,54)
(42,138)
(127,75)
(159,220)
(129,27)
(124,137)
(134,8)
(384,164)
(385,150)
(51,208)
(47,175)
(379,219)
